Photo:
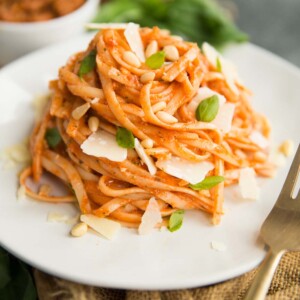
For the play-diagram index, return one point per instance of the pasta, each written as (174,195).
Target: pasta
(108,90)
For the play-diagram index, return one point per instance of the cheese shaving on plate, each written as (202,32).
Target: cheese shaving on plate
(218,246)
(105,227)
(248,184)
(150,218)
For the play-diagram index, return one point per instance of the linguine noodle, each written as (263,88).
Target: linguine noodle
(121,190)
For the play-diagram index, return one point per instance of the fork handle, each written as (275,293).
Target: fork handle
(263,278)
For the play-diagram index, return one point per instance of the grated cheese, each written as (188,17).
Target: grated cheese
(61,218)
(218,246)
(15,154)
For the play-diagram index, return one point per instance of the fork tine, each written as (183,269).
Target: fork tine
(291,178)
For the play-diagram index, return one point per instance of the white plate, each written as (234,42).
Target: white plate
(162,260)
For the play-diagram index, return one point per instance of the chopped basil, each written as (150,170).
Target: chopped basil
(88,63)
(208,109)
(125,138)
(53,137)
(207,183)
(219,65)
(175,221)
(156,60)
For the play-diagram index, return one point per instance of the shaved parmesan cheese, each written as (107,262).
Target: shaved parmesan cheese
(218,246)
(16,154)
(211,54)
(150,218)
(192,172)
(106,25)
(62,218)
(39,103)
(105,227)
(223,120)
(224,116)
(132,35)
(21,193)
(277,158)
(104,144)
(248,184)
(227,68)
(203,93)
(145,157)
(257,138)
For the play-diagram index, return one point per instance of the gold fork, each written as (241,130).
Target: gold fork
(280,231)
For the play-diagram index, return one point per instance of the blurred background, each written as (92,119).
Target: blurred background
(271,24)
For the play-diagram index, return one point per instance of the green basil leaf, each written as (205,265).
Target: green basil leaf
(125,138)
(207,183)
(219,65)
(175,221)
(53,137)
(208,109)
(88,63)
(156,60)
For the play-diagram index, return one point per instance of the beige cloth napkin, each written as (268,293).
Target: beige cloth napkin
(285,286)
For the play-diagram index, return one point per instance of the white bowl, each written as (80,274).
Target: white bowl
(17,39)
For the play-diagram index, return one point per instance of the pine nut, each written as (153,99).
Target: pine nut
(147,143)
(79,229)
(44,190)
(80,111)
(260,156)
(159,106)
(286,148)
(171,53)
(93,123)
(147,77)
(151,49)
(131,59)
(165,117)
